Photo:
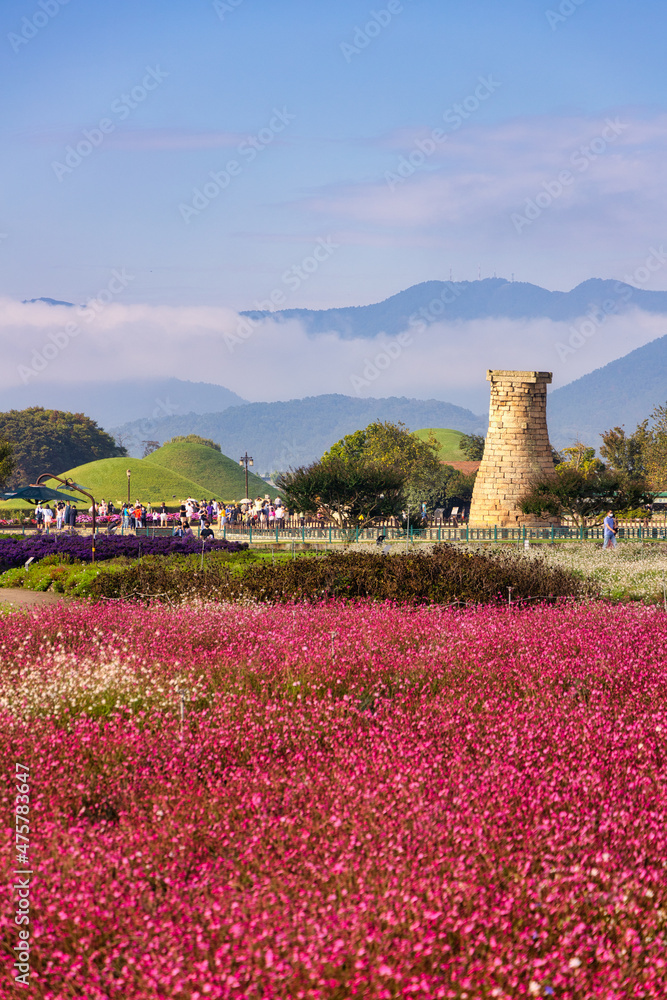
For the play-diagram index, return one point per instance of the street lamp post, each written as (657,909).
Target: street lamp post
(129,473)
(246,460)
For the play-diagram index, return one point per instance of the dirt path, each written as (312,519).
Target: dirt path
(17,597)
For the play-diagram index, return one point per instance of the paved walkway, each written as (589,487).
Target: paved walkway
(18,597)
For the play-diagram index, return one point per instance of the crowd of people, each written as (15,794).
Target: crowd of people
(262,513)
(61,516)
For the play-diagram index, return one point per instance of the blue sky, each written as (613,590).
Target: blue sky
(355,113)
(351,108)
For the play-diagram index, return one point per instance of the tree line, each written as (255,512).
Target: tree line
(631,471)
(37,440)
(382,471)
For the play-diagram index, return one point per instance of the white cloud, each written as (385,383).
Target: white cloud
(446,361)
(467,188)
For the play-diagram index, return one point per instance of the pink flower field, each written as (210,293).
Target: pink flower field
(338,801)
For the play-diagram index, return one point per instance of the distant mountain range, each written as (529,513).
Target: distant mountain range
(489,298)
(279,435)
(112,403)
(625,392)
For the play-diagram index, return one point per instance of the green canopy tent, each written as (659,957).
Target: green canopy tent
(38,494)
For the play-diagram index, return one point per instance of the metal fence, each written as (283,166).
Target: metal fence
(464,533)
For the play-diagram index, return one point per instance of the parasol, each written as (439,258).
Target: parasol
(38,493)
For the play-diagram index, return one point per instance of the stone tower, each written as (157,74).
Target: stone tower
(517,448)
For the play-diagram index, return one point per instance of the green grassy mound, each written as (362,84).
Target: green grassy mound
(448,441)
(149,482)
(219,475)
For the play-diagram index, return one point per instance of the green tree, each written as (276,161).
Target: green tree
(390,445)
(655,450)
(583,495)
(53,441)
(626,453)
(472,446)
(194,439)
(353,492)
(7,462)
(580,457)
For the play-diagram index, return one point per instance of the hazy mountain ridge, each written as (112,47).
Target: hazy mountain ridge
(283,434)
(109,403)
(286,433)
(623,392)
(489,298)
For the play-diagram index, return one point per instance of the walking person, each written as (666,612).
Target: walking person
(610,530)
(136,515)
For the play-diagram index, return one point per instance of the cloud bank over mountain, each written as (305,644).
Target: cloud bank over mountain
(269,359)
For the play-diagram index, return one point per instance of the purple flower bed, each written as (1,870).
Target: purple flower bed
(15,552)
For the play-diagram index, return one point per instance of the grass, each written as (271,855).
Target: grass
(448,440)
(219,475)
(149,482)
(60,574)
(64,575)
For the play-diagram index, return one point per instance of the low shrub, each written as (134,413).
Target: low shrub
(445,575)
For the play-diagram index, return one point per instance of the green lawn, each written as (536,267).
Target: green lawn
(171,473)
(219,475)
(149,482)
(448,440)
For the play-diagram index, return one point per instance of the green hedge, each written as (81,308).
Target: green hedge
(445,575)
